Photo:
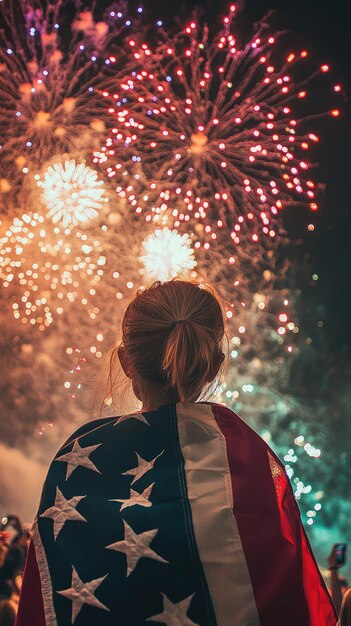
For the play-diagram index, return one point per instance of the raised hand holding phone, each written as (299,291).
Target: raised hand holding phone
(337,557)
(340,550)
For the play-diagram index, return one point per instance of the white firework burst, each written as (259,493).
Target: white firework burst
(167,253)
(72,192)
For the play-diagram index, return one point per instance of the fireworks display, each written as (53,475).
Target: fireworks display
(129,154)
(208,132)
(50,100)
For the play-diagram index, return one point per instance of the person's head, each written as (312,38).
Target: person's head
(22,539)
(345,611)
(172,336)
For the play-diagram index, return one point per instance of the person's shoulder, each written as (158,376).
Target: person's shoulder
(102,429)
(237,429)
(89,428)
(228,418)
(88,453)
(221,411)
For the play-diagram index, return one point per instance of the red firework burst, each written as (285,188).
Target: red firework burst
(205,131)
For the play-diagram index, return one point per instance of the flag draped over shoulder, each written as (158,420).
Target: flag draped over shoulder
(181,516)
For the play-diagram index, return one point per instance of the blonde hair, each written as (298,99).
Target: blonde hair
(172,334)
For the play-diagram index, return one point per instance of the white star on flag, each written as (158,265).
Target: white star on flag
(136,546)
(136,416)
(63,510)
(79,456)
(136,498)
(83,593)
(143,467)
(174,614)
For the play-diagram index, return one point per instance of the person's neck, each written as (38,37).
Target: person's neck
(159,397)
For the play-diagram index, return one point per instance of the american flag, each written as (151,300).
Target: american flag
(180,516)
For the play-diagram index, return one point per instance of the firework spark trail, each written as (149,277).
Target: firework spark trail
(177,151)
(49,272)
(50,100)
(204,132)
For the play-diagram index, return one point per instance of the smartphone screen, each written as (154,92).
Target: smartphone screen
(340,551)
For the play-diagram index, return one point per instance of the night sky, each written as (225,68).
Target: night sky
(323,29)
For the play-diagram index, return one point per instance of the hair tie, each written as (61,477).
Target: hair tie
(174,324)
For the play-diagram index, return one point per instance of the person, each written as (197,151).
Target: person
(339,589)
(20,544)
(8,590)
(345,610)
(7,612)
(178,514)
(10,527)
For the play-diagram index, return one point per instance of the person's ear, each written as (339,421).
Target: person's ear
(123,360)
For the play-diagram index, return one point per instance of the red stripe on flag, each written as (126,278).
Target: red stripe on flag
(31,608)
(287,586)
